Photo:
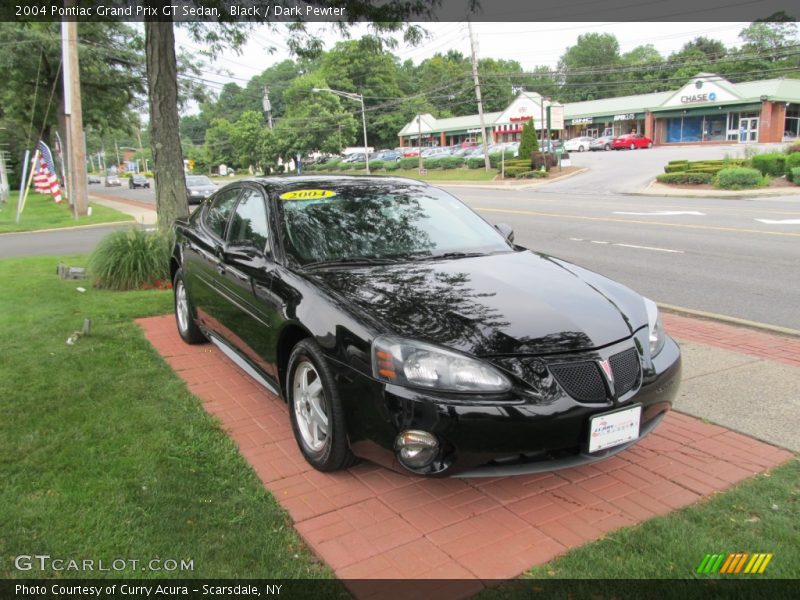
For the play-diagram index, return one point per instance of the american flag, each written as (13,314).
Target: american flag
(45,178)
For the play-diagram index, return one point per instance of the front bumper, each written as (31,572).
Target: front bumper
(518,433)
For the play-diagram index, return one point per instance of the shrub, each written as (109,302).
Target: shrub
(532,174)
(676,168)
(376,165)
(131,259)
(795,174)
(792,162)
(694,178)
(737,178)
(344,166)
(679,161)
(770,164)
(391,165)
(409,162)
(475,163)
(452,162)
(528,142)
(432,163)
(358,166)
(516,171)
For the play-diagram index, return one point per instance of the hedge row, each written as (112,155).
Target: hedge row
(738,178)
(684,177)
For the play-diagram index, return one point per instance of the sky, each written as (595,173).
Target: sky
(530,44)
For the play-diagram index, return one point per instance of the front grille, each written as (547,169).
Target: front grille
(581,380)
(626,368)
(585,382)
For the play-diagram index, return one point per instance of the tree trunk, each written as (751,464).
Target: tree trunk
(165,141)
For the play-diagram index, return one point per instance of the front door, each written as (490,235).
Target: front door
(748,129)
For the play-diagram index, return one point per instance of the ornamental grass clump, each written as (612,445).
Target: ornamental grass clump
(131,259)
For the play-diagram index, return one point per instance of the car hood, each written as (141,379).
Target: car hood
(511,303)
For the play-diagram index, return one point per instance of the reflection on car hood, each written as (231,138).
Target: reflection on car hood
(520,302)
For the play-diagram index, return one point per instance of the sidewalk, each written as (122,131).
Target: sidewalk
(369,522)
(142,212)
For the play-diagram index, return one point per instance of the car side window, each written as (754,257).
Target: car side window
(217,214)
(249,222)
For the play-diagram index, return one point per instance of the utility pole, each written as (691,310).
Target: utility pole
(141,150)
(76,151)
(478,96)
(419,141)
(267,105)
(116,147)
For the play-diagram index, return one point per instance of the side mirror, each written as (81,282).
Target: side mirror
(507,231)
(247,252)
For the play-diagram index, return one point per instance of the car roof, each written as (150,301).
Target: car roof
(283,182)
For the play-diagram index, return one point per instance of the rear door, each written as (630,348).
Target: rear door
(203,257)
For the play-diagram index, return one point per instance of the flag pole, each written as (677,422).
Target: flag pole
(21,203)
(22,182)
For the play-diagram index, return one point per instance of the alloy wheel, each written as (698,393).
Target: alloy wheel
(310,406)
(182,307)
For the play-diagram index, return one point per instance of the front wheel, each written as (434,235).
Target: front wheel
(315,409)
(607,147)
(187,328)
(580,148)
(649,145)
(633,146)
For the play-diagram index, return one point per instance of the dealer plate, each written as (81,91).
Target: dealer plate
(614,428)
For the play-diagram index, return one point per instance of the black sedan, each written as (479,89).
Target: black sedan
(401,327)
(138,181)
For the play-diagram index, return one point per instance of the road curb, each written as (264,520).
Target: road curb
(131,221)
(651,190)
(765,327)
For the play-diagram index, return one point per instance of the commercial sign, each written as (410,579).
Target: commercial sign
(581,121)
(625,117)
(694,98)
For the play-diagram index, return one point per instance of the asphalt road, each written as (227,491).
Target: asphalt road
(716,257)
(63,242)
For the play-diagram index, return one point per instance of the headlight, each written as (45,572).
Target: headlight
(195,193)
(417,364)
(656,329)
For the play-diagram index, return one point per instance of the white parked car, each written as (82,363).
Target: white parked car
(578,144)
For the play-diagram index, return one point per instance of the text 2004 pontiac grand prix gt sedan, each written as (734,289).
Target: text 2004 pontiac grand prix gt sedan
(401,327)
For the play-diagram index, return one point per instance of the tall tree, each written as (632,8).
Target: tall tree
(594,57)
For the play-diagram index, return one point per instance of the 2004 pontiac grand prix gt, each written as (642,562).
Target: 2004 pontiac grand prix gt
(401,327)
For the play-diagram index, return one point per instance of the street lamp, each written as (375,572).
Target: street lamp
(360,98)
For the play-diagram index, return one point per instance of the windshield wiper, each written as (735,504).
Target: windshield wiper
(446,255)
(351,260)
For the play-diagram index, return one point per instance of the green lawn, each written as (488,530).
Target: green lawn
(758,515)
(41,212)
(105,454)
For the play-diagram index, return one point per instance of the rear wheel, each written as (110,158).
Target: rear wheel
(607,147)
(633,146)
(187,328)
(649,144)
(581,148)
(315,409)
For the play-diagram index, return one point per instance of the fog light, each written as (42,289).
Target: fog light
(416,449)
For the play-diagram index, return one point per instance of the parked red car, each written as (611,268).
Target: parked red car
(632,141)
(407,152)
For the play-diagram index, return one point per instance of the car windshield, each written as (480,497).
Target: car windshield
(391,221)
(198,180)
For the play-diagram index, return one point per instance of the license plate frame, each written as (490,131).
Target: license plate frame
(622,426)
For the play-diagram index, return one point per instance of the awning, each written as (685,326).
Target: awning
(708,110)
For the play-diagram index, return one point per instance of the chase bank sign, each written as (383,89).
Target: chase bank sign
(696,98)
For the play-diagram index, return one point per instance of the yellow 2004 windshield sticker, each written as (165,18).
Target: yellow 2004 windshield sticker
(307,194)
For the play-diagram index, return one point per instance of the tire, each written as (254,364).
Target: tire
(581,148)
(607,147)
(633,146)
(315,409)
(187,328)
(649,145)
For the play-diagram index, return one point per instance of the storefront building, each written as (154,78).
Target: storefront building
(708,109)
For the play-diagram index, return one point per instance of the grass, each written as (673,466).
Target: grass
(761,514)
(105,454)
(41,212)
